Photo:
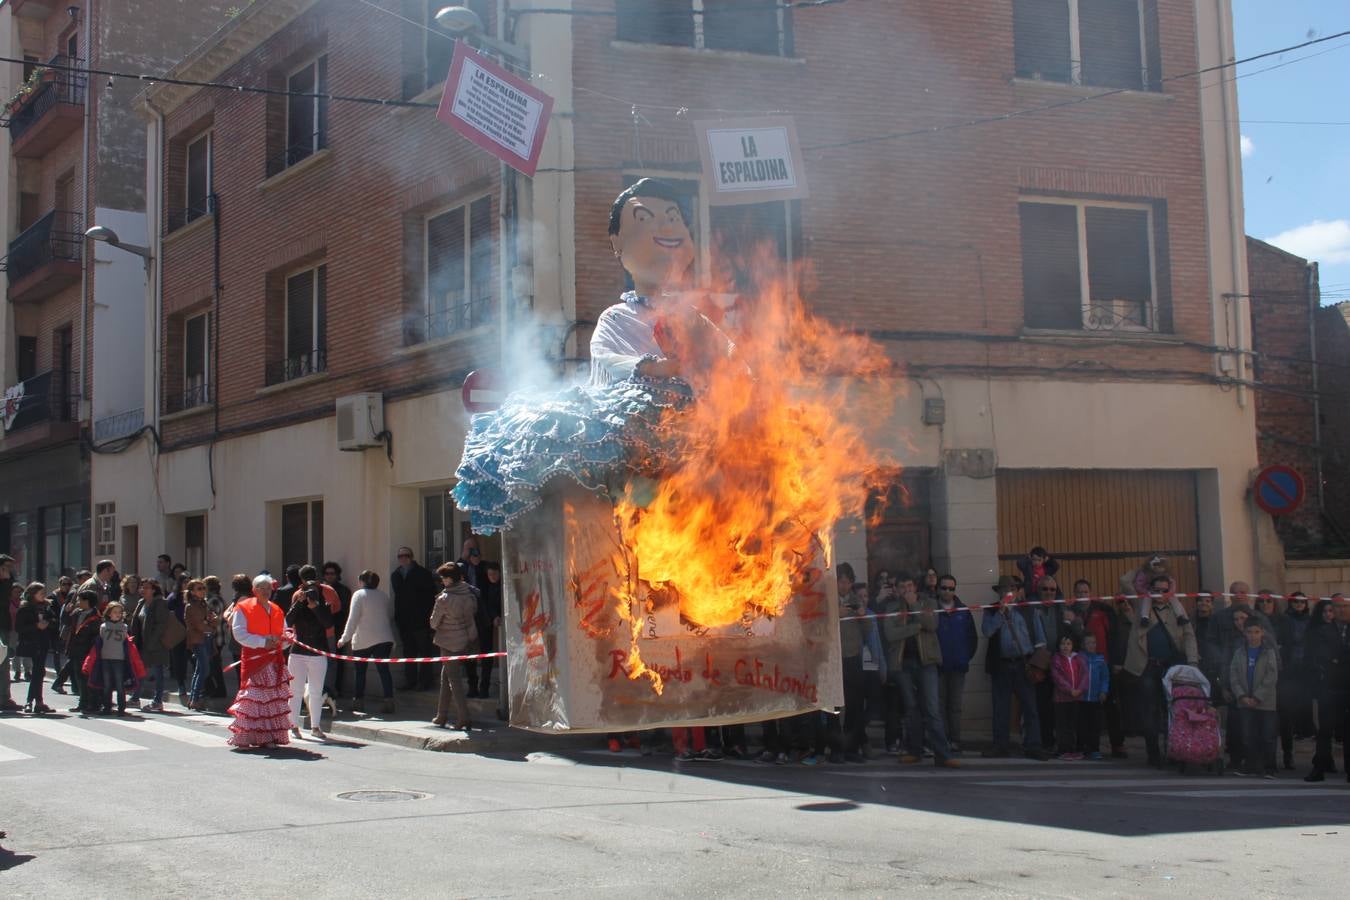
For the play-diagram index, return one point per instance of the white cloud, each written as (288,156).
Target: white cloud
(1248,148)
(1326,242)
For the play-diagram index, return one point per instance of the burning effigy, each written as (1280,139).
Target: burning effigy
(666,526)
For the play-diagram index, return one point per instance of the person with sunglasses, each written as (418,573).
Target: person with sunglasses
(414,589)
(958,641)
(1296,674)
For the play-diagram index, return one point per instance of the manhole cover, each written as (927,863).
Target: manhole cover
(381,796)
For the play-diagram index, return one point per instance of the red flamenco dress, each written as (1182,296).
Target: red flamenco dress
(262,709)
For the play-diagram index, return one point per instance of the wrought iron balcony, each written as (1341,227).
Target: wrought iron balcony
(443,323)
(293,367)
(45,257)
(306,147)
(191,397)
(119,425)
(42,120)
(178,218)
(44,398)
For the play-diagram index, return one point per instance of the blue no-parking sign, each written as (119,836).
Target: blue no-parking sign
(1278,490)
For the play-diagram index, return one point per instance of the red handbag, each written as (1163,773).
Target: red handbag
(91,660)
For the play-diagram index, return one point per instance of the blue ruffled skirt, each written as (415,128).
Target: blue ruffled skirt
(598,437)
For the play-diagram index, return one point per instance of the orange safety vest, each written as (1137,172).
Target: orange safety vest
(263,623)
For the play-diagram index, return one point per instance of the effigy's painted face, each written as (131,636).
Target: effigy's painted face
(653,242)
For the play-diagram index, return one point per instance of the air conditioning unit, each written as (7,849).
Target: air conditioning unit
(360,421)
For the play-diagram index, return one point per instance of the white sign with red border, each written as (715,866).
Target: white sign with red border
(499,112)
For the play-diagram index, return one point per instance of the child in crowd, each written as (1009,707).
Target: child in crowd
(1090,705)
(1253,678)
(1070,673)
(112,657)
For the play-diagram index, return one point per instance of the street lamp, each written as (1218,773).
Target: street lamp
(464,23)
(109,237)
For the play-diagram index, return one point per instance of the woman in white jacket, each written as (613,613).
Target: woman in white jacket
(370,629)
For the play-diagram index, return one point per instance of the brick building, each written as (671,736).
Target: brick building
(74,156)
(1289,413)
(1057,278)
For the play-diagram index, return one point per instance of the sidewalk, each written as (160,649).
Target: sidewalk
(410,726)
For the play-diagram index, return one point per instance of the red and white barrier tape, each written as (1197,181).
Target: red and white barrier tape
(292,642)
(1062,601)
(399,659)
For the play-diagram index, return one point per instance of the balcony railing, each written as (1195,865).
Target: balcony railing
(43,398)
(190,397)
(177,218)
(443,323)
(119,425)
(293,367)
(306,147)
(56,237)
(64,87)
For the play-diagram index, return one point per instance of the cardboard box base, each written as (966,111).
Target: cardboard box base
(568,646)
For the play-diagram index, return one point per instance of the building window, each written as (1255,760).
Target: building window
(302,533)
(306,117)
(459,271)
(194,544)
(27,357)
(62,549)
(1098,43)
(1089,266)
(763,28)
(197,189)
(196,361)
(305,351)
(105,530)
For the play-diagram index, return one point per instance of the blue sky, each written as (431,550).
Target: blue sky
(1296,178)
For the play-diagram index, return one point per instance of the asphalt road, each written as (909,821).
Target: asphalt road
(160,807)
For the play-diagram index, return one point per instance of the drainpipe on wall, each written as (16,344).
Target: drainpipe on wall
(1228,98)
(85,261)
(1310,289)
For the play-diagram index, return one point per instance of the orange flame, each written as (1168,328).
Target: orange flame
(773,455)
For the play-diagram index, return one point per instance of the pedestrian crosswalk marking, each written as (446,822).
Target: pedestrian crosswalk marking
(172,732)
(59,730)
(8,755)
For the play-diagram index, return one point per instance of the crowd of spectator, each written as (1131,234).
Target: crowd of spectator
(117,640)
(1065,669)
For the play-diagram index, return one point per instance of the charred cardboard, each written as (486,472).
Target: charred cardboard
(567,646)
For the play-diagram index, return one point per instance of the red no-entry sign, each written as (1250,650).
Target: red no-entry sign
(1278,490)
(483,390)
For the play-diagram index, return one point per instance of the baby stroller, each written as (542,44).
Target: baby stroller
(1193,734)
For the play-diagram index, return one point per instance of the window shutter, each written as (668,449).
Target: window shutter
(300,314)
(1109,38)
(1041,46)
(445,260)
(656,21)
(482,274)
(1119,278)
(734,25)
(321,310)
(1152,45)
(195,339)
(1051,293)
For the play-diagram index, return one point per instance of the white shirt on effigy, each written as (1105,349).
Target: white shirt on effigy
(622,338)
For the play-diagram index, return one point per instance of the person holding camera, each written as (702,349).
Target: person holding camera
(310,617)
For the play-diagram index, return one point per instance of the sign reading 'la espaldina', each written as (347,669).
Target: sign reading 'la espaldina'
(751,160)
(503,114)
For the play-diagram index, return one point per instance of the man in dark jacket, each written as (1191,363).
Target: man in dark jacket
(1297,681)
(471,563)
(7,566)
(415,592)
(332,576)
(959,640)
(488,617)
